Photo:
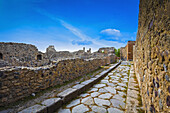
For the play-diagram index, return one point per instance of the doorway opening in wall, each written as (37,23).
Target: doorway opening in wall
(39,57)
(1,56)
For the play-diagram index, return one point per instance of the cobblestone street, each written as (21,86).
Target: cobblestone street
(109,95)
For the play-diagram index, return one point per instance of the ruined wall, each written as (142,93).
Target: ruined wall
(20,54)
(123,53)
(19,82)
(130,50)
(126,53)
(151,55)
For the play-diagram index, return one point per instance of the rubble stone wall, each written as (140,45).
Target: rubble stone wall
(19,82)
(151,55)
(123,53)
(17,51)
(130,50)
(20,54)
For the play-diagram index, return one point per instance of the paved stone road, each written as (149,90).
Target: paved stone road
(109,95)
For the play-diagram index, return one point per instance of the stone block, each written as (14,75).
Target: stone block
(52,104)
(35,109)
(68,94)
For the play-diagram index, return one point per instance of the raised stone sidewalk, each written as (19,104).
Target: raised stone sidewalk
(133,99)
(52,104)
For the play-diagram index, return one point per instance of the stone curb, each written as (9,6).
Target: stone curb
(52,104)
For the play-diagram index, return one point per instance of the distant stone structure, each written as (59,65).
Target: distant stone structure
(20,54)
(123,53)
(152,55)
(107,50)
(126,53)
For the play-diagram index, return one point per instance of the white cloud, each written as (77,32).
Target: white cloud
(96,43)
(113,32)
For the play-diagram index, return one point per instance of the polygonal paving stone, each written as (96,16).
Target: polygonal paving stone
(117,103)
(118,97)
(101,102)
(110,74)
(64,111)
(80,109)
(110,89)
(125,74)
(120,88)
(105,96)
(121,93)
(106,78)
(121,84)
(84,95)
(99,85)
(98,109)
(94,94)
(114,77)
(87,101)
(73,103)
(111,84)
(93,89)
(114,110)
(104,81)
(102,90)
(114,81)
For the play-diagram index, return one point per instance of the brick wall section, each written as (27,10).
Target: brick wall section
(126,53)
(151,55)
(123,53)
(16,83)
(130,50)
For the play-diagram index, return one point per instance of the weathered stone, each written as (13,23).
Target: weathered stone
(117,103)
(73,103)
(64,111)
(80,109)
(101,102)
(94,94)
(99,85)
(105,96)
(118,97)
(114,110)
(87,101)
(102,90)
(68,94)
(98,109)
(84,95)
(110,89)
(52,104)
(35,109)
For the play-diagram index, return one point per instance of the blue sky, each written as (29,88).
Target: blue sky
(69,24)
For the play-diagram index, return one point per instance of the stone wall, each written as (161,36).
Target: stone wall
(20,54)
(151,55)
(19,82)
(123,53)
(126,53)
(130,50)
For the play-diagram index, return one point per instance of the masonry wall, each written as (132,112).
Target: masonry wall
(129,48)
(16,83)
(151,55)
(123,53)
(20,54)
